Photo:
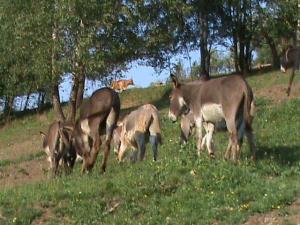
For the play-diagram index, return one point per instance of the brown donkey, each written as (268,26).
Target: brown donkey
(99,116)
(290,59)
(212,101)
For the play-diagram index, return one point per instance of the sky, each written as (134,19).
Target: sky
(143,75)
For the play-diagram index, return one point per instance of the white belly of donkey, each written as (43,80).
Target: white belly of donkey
(212,113)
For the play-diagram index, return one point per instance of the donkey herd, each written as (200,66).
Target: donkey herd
(224,103)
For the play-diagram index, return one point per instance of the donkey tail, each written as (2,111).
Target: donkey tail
(155,126)
(63,135)
(249,105)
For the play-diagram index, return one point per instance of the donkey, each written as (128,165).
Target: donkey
(121,85)
(187,125)
(56,144)
(98,117)
(187,122)
(290,59)
(212,101)
(138,126)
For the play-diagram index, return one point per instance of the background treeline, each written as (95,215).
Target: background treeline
(42,41)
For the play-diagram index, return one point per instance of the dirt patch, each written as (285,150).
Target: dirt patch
(277,93)
(13,151)
(275,217)
(47,214)
(25,172)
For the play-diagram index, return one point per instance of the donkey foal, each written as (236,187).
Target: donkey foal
(137,127)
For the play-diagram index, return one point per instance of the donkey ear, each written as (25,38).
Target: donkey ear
(175,81)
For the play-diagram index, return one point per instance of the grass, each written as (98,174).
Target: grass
(29,157)
(180,188)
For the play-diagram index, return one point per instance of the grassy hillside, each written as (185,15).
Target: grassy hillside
(180,188)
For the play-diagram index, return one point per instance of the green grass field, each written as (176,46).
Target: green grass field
(180,188)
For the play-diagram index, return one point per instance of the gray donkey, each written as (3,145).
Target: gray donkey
(225,98)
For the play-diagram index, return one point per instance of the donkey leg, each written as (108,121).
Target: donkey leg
(90,153)
(121,151)
(231,125)
(154,144)
(140,140)
(288,91)
(251,141)
(241,132)
(85,162)
(228,150)
(56,159)
(94,152)
(198,124)
(184,131)
(210,127)
(134,155)
(106,153)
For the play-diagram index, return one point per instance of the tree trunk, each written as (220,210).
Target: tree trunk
(27,101)
(73,98)
(247,61)
(235,54)
(41,101)
(8,108)
(56,103)
(242,55)
(275,56)
(80,88)
(298,27)
(204,63)
(55,84)
(77,91)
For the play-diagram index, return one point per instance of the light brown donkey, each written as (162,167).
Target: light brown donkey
(121,85)
(212,101)
(99,116)
(138,126)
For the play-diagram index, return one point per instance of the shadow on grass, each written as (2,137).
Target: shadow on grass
(163,101)
(284,155)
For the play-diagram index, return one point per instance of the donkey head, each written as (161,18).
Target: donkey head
(116,139)
(130,82)
(178,105)
(46,148)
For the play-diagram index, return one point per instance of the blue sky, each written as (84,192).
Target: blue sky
(143,75)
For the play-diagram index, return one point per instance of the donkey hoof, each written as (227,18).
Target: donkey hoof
(253,158)
(212,155)
(103,169)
